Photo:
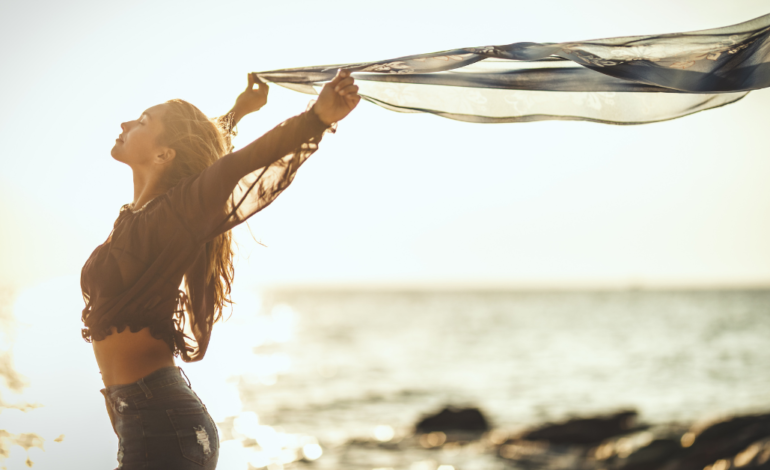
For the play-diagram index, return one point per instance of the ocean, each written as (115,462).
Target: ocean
(333,379)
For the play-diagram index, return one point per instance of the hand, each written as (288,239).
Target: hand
(251,100)
(337,98)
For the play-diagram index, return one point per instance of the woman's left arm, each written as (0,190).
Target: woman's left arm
(335,101)
(277,155)
(249,101)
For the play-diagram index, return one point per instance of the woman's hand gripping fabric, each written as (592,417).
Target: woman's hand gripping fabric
(337,98)
(251,99)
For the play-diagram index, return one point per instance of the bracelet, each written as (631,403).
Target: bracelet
(227,124)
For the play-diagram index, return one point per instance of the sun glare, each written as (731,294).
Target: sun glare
(61,382)
(56,382)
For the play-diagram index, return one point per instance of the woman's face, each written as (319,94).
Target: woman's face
(138,144)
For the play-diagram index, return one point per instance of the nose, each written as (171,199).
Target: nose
(123,126)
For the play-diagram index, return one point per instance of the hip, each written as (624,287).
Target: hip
(162,424)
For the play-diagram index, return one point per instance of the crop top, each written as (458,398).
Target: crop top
(132,279)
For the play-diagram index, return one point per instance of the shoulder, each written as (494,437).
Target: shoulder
(157,214)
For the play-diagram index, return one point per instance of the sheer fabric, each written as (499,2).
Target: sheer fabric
(132,280)
(627,80)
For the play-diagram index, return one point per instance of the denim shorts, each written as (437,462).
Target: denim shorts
(162,424)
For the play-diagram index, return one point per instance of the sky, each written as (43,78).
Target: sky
(391,199)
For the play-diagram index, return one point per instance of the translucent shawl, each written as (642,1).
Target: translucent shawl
(627,80)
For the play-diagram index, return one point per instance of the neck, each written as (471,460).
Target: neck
(146,187)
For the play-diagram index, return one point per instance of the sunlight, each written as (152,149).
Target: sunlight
(247,423)
(233,359)
(231,353)
(312,451)
(263,445)
(62,380)
(233,455)
(44,311)
(384,433)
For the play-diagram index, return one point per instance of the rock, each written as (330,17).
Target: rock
(754,457)
(653,455)
(741,443)
(722,440)
(541,455)
(451,419)
(585,431)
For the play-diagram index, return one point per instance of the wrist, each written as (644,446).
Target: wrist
(237,113)
(316,121)
(318,116)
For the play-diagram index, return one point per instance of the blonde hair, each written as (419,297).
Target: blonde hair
(199,142)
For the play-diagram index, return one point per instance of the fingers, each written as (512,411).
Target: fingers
(343,83)
(352,100)
(255,80)
(348,90)
(341,75)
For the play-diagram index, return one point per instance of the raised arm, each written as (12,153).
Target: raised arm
(252,177)
(249,101)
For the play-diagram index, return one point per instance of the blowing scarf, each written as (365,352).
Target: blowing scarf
(625,80)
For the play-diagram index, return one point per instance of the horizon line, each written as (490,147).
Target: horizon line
(512,286)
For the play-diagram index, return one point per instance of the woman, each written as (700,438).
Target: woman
(187,196)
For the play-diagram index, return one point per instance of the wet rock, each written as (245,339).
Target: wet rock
(653,455)
(585,431)
(722,440)
(453,420)
(541,455)
(754,457)
(739,443)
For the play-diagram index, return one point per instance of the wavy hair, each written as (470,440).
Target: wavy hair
(199,142)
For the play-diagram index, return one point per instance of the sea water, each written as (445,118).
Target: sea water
(358,362)
(325,379)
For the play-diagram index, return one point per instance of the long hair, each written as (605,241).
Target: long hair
(199,142)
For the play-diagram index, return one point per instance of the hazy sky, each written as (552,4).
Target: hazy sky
(391,198)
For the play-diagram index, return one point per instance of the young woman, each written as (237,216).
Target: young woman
(189,191)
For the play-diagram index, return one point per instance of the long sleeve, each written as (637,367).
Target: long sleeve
(244,182)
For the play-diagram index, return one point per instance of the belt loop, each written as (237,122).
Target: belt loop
(106,396)
(185,377)
(144,387)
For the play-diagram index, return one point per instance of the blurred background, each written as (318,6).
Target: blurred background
(536,271)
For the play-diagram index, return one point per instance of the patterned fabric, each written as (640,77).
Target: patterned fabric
(627,80)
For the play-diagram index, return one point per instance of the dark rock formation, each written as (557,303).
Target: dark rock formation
(653,455)
(450,419)
(741,442)
(724,440)
(754,457)
(585,431)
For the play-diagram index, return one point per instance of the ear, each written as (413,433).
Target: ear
(165,156)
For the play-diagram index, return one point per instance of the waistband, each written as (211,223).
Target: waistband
(162,377)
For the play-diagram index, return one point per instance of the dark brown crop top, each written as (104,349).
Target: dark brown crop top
(132,279)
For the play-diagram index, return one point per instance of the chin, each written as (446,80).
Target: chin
(115,154)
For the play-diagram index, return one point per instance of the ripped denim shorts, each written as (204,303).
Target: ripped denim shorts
(162,424)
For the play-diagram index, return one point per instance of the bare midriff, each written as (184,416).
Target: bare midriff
(126,357)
